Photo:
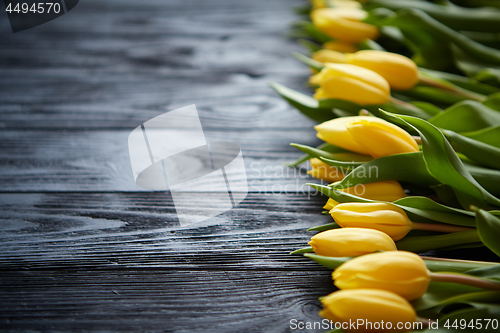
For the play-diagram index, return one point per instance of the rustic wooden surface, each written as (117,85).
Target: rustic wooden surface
(85,249)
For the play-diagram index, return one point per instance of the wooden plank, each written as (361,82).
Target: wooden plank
(117,64)
(97,161)
(160,300)
(138,230)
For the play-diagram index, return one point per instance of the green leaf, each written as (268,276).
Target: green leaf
(409,167)
(444,293)
(488,178)
(305,104)
(429,108)
(490,136)
(466,116)
(443,164)
(430,50)
(461,81)
(419,244)
(475,150)
(310,30)
(311,46)
(324,146)
(303,250)
(338,156)
(324,227)
(457,266)
(311,63)
(487,272)
(328,262)
(419,209)
(434,211)
(488,227)
(337,195)
(417,18)
(433,95)
(493,101)
(345,167)
(455,17)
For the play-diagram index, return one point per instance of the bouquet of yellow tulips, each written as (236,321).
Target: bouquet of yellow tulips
(407,100)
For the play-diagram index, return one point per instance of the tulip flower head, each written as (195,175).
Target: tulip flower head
(384,217)
(344,24)
(400,272)
(379,191)
(400,72)
(335,3)
(351,83)
(350,242)
(326,56)
(367,135)
(323,171)
(370,305)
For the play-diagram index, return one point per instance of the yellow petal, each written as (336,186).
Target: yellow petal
(400,71)
(382,139)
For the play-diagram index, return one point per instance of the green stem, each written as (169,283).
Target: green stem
(466,280)
(439,227)
(433,264)
(426,243)
(446,86)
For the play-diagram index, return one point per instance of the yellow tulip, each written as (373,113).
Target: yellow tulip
(372,307)
(366,135)
(335,132)
(351,83)
(379,216)
(381,138)
(401,72)
(403,273)
(335,3)
(323,171)
(340,46)
(378,191)
(344,24)
(350,242)
(330,204)
(326,56)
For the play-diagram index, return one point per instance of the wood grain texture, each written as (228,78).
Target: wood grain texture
(83,248)
(98,161)
(140,230)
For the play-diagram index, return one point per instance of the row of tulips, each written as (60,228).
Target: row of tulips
(440,141)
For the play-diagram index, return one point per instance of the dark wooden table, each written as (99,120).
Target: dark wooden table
(85,249)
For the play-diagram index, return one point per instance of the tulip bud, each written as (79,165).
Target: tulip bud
(378,191)
(350,242)
(330,204)
(403,273)
(366,135)
(379,216)
(400,71)
(373,306)
(344,24)
(321,170)
(335,3)
(326,56)
(381,138)
(335,132)
(340,46)
(351,83)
